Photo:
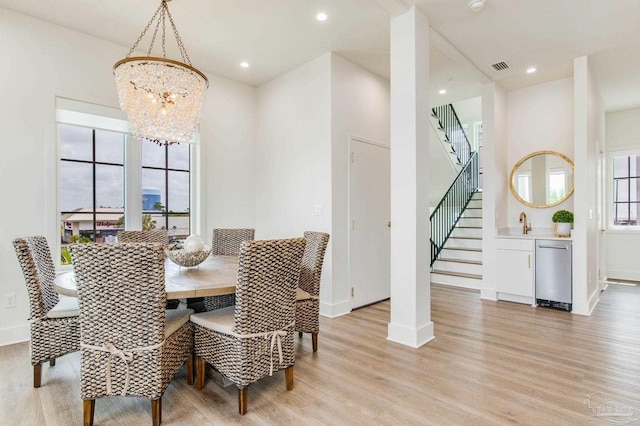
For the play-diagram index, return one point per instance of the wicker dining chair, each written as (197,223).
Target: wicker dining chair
(308,291)
(251,340)
(226,242)
(55,327)
(150,236)
(130,344)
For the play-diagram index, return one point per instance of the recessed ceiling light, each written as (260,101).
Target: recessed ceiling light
(244,64)
(531,70)
(476,5)
(321,16)
(442,91)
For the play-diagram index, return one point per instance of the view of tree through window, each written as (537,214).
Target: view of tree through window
(92,189)
(626,191)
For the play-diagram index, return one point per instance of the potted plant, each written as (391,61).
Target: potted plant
(563,220)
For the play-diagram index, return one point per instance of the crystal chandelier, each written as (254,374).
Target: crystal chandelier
(162,98)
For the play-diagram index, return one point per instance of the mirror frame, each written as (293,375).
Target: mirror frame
(533,154)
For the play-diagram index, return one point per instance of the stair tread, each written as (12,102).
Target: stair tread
(457,274)
(465,238)
(462,248)
(471,262)
(468,227)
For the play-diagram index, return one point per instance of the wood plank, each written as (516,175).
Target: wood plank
(491,363)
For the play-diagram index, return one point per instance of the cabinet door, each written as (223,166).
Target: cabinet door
(515,273)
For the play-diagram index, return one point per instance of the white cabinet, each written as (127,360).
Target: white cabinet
(515,264)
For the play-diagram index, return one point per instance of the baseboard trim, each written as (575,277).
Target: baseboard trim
(12,335)
(412,337)
(335,310)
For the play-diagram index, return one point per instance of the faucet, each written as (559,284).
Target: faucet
(523,220)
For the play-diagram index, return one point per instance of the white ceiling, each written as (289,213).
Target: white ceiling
(275,36)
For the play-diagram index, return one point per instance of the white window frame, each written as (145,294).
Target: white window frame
(611,154)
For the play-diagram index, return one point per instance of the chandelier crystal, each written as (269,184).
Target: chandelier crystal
(162,97)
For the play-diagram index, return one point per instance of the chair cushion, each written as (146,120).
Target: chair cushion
(303,295)
(176,318)
(66,307)
(220,320)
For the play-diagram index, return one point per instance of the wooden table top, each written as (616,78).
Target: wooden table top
(215,276)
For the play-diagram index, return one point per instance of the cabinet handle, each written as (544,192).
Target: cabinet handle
(529,261)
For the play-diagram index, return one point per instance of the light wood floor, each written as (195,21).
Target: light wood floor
(491,363)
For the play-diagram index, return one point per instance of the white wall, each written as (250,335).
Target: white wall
(589,134)
(293,170)
(622,133)
(539,118)
(494,195)
(359,107)
(305,118)
(49,61)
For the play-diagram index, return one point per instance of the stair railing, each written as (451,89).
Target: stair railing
(446,215)
(450,124)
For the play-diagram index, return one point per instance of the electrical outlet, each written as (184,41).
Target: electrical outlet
(10,300)
(318,210)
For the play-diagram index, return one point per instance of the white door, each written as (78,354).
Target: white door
(369,213)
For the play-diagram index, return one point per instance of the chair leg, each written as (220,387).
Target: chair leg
(156,411)
(288,377)
(88,408)
(37,375)
(314,341)
(190,371)
(200,370)
(299,333)
(52,362)
(242,401)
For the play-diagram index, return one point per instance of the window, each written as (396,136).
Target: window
(101,166)
(91,184)
(626,191)
(165,187)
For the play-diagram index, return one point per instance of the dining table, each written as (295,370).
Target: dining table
(216,275)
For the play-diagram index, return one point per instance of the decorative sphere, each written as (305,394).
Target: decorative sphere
(193,243)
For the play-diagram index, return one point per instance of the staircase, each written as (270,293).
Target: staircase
(460,261)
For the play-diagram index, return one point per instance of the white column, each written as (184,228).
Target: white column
(410,250)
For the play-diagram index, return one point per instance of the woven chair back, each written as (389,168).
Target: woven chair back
(311,270)
(39,272)
(152,236)
(268,274)
(227,241)
(121,293)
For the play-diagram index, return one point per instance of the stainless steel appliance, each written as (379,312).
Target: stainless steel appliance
(553,274)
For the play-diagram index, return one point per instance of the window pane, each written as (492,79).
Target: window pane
(153,190)
(633,166)
(179,156)
(633,214)
(109,186)
(109,147)
(178,200)
(621,167)
(622,190)
(633,183)
(621,214)
(76,185)
(153,155)
(153,221)
(76,143)
(179,226)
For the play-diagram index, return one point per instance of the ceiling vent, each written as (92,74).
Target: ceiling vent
(500,66)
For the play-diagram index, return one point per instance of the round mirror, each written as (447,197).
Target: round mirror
(542,179)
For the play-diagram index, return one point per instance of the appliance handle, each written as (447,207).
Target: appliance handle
(554,247)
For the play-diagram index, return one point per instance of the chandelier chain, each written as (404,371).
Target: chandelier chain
(183,50)
(153,38)
(163,11)
(153,18)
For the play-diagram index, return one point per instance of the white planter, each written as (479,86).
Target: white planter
(563,229)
